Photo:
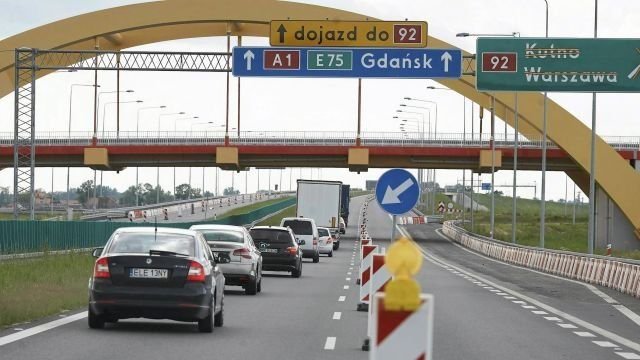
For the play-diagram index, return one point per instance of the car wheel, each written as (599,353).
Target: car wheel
(297,272)
(331,253)
(336,246)
(95,321)
(260,285)
(316,257)
(218,319)
(206,325)
(252,287)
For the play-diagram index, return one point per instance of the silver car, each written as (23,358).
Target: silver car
(245,268)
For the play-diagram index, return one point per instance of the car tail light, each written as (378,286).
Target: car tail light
(292,250)
(244,253)
(101,269)
(196,272)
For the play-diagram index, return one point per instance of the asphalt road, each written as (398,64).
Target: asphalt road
(483,310)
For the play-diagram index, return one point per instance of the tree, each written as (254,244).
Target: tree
(84,191)
(129,197)
(182,191)
(230,191)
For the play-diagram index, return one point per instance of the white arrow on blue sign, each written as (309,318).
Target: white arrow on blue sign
(347,62)
(397,191)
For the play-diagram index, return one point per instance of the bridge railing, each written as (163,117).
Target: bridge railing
(297,138)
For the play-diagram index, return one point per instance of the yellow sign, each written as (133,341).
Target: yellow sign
(409,34)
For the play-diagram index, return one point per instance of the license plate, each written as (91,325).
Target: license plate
(148,273)
(269,250)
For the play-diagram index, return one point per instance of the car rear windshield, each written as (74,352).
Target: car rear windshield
(223,235)
(299,227)
(323,232)
(271,236)
(142,243)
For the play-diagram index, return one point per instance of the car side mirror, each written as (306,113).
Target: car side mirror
(223,258)
(97,252)
(301,242)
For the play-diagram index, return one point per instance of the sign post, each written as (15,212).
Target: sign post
(347,63)
(558,64)
(397,192)
(348,33)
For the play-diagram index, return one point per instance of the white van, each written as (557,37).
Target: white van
(305,229)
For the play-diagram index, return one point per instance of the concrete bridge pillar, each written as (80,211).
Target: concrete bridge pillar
(612,227)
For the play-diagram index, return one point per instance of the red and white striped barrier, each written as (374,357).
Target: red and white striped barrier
(402,334)
(367,252)
(613,273)
(379,277)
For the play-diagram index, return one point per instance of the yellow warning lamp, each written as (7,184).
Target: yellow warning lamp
(403,260)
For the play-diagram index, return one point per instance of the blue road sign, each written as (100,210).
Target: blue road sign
(347,62)
(486,186)
(397,191)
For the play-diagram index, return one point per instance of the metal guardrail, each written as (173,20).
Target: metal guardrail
(299,138)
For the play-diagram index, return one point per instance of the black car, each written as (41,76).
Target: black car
(280,251)
(156,273)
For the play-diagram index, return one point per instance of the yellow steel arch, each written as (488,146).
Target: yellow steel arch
(132,25)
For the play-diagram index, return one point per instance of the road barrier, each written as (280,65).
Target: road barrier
(365,272)
(33,236)
(615,273)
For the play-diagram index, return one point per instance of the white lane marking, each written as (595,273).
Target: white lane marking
(337,315)
(603,332)
(41,328)
(584,334)
(628,355)
(540,312)
(510,297)
(621,308)
(502,294)
(567,326)
(605,344)
(350,268)
(346,287)
(342,298)
(552,318)
(519,302)
(330,344)
(494,290)
(18,329)
(349,273)
(348,279)
(528,307)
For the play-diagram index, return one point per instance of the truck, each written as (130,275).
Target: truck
(344,204)
(320,200)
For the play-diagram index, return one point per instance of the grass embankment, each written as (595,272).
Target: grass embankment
(251,207)
(275,219)
(560,232)
(38,287)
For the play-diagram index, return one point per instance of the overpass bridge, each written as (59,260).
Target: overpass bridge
(297,149)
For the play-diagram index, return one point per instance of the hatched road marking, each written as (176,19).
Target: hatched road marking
(330,344)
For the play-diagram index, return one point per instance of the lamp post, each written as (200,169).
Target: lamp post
(104,112)
(592,168)
(69,134)
(158,167)
(175,130)
(174,174)
(140,110)
(430,199)
(493,147)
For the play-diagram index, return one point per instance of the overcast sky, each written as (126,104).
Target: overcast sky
(318,104)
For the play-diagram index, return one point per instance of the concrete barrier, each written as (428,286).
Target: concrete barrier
(620,274)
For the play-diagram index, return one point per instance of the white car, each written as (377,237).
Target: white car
(245,268)
(304,229)
(325,241)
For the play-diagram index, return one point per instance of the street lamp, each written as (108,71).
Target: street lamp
(70,112)
(191,130)
(492,137)
(158,167)
(137,128)
(175,130)
(420,171)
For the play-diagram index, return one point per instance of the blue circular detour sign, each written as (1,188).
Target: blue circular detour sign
(397,191)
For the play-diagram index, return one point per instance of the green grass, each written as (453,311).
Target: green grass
(39,287)
(249,208)
(560,232)
(275,219)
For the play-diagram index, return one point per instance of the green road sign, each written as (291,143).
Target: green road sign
(576,65)
(329,60)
